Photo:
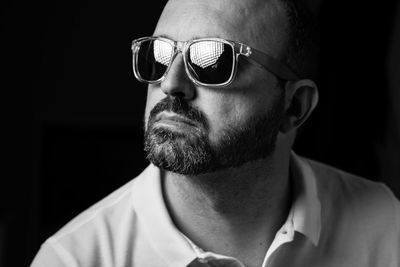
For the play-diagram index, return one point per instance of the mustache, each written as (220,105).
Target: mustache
(181,107)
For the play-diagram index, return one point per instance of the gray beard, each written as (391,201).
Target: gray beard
(193,154)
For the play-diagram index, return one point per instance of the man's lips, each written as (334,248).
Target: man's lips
(174,119)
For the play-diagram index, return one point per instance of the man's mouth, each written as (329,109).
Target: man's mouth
(173,119)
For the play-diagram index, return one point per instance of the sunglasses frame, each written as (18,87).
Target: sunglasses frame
(264,60)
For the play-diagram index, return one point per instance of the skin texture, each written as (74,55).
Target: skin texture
(235,211)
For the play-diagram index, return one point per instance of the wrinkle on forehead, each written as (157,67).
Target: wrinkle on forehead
(259,23)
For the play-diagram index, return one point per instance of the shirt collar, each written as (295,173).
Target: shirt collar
(155,221)
(306,208)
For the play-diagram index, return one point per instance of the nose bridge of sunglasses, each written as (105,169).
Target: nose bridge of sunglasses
(180,46)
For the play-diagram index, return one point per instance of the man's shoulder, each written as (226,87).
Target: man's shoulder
(104,232)
(355,199)
(345,184)
(359,216)
(111,212)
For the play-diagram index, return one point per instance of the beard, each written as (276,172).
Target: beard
(192,152)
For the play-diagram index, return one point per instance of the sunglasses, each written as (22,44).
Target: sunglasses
(210,62)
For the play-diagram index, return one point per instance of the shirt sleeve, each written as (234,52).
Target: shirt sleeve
(53,255)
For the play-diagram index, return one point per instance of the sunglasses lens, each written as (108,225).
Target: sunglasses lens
(153,58)
(211,62)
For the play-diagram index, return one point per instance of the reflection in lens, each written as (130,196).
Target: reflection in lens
(162,52)
(211,61)
(205,54)
(153,59)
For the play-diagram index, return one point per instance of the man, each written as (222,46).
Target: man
(228,90)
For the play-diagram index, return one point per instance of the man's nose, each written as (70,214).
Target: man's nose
(176,82)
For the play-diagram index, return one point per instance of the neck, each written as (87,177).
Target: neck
(232,212)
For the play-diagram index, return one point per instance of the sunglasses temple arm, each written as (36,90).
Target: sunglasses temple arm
(268,62)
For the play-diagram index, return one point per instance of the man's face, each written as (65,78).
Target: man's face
(192,129)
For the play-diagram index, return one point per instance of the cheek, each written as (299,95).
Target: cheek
(235,104)
(215,105)
(225,111)
(234,109)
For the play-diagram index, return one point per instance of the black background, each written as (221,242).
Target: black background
(73,111)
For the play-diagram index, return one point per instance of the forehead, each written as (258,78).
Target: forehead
(259,23)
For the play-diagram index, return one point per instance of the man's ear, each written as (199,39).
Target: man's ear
(301,99)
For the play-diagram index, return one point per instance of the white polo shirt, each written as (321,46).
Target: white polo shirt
(336,219)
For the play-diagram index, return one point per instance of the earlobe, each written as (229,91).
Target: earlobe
(302,98)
